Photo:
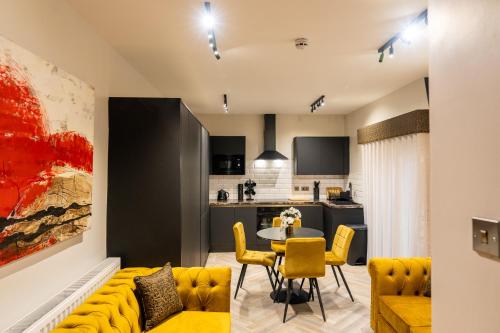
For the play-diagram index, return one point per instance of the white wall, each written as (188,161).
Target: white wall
(408,98)
(273,182)
(465,122)
(53,30)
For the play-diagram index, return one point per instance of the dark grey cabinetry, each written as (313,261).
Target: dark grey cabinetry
(221,229)
(157,183)
(321,155)
(333,217)
(312,216)
(205,209)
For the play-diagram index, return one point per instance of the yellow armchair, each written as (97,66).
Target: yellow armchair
(397,301)
(114,308)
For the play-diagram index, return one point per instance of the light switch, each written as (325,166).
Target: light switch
(485,234)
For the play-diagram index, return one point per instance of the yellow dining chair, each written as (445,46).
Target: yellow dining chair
(278,246)
(247,257)
(305,259)
(340,250)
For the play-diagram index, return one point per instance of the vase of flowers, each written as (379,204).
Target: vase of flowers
(288,216)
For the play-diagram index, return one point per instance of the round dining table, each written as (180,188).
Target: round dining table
(279,234)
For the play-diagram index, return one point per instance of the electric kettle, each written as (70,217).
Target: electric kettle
(222,195)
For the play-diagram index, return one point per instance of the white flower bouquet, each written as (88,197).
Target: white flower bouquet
(288,216)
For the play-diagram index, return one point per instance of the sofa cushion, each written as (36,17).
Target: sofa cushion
(158,296)
(406,312)
(195,322)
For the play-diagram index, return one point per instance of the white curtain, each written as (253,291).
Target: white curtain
(396,185)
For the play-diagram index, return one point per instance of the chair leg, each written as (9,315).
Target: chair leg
(335,274)
(243,277)
(345,282)
(269,274)
(240,279)
(311,290)
(288,295)
(319,299)
(301,284)
(276,294)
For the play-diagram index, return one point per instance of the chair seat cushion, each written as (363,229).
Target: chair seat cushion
(406,314)
(332,259)
(258,258)
(278,247)
(195,322)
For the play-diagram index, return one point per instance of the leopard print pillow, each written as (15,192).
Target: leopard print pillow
(158,296)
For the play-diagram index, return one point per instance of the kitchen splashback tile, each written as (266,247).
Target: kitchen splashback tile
(273,182)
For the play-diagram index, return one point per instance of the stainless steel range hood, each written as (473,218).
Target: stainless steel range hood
(270,152)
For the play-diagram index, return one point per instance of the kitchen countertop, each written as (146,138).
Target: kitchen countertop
(280,202)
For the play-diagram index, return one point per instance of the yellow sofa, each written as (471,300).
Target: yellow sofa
(397,301)
(114,308)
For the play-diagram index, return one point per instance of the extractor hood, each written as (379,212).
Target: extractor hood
(270,152)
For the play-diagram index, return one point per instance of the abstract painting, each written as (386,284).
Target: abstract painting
(46,153)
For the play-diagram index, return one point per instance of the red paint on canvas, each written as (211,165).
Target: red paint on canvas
(27,150)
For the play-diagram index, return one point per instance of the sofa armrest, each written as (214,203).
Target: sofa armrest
(396,276)
(204,289)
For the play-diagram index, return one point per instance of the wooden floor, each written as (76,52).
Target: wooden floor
(254,311)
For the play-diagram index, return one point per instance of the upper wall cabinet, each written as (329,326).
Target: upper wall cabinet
(227,155)
(321,155)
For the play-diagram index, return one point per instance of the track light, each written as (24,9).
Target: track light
(226,107)
(209,22)
(381,58)
(318,103)
(406,35)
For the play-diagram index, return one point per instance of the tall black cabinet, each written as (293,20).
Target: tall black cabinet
(157,183)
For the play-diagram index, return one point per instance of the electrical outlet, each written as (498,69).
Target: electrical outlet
(296,188)
(305,188)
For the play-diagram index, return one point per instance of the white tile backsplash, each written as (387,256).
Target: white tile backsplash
(275,180)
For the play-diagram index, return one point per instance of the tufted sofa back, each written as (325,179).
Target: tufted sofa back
(114,307)
(396,276)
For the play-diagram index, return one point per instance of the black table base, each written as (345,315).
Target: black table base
(295,298)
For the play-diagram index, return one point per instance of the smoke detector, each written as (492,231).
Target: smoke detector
(301,43)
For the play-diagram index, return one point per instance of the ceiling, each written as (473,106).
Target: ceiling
(260,69)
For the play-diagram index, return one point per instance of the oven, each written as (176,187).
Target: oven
(265,217)
(228,165)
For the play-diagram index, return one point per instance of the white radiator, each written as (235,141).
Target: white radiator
(46,317)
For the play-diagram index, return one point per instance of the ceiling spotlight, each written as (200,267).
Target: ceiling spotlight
(381,58)
(226,108)
(407,35)
(318,103)
(209,22)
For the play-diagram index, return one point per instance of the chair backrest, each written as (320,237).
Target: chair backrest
(239,240)
(277,222)
(305,257)
(342,242)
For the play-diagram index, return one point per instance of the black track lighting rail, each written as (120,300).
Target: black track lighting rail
(390,43)
(318,103)
(211,34)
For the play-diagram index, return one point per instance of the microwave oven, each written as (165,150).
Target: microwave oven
(228,164)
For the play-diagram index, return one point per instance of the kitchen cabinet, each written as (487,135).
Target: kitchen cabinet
(312,216)
(333,217)
(204,198)
(321,155)
(221,229)
(157,183)
(227,155)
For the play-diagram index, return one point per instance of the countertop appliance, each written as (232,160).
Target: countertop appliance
(222,195)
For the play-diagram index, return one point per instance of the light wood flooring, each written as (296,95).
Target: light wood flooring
(254,311)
